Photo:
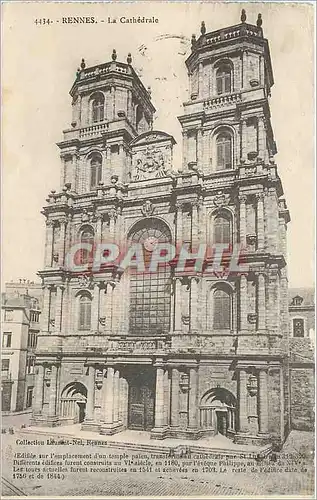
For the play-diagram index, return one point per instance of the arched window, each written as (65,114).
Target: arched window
(221,310)
(84,312)
(221,229)
(223,79)
(98,108)
(87,236)
(95,171)
(224,151)
(150,297)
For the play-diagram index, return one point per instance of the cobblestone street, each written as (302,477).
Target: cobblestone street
(163,484)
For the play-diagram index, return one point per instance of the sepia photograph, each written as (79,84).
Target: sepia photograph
(158,241)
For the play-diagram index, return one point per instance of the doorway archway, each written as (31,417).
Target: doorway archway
(73,402)
(218,411)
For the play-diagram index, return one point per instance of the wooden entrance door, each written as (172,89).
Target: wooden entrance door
(222,422)
(141,401)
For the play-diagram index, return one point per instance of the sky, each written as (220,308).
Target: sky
(39,63)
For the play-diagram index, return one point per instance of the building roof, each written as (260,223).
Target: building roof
(19,300)
(307,294)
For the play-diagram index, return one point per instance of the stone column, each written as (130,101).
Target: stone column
(74,171)
(185,147)
(195,226)
(282,236)
(261,138)
(113,102)
(192,398)
(261,302)
(243,222)
(242,399)
(61,253)
(99,229)
(166,398)
(263,401)
(179,224)
(194,286)
(178,304)
(90,406)
(200,149)
(48,244)
(116,397)
(109,403)
(159,398)
(245,68)
(95,309)
(129,106)
(113,217)
(243,302)
(273,219)
(59,308)
(260,221)
(175,398)
(244,144)
(38,396)
(45,315)
(53,392)
(200,80)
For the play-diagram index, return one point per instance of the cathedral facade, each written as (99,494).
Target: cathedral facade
(181,352)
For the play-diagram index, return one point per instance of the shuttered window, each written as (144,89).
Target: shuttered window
(221,230)
(87,236)
(84,312)
(223,80)
(221,310)
(98,109)
(95,171)
(224,151)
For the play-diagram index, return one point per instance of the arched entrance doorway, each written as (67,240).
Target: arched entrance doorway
(218,411)
(73,402)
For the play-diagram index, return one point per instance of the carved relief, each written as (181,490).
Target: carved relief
(221,199)
(85,281)
(150,164)
(147,208)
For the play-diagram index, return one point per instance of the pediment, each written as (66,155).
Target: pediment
(154,136)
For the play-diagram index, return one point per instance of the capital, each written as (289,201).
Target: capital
(179,205)
(113,214)
(242,198)
(259,196)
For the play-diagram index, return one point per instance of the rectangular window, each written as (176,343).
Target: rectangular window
(34,317)
(30,363)
(32,339)
(5,366)
(8,315)
(298,327)
(6,339)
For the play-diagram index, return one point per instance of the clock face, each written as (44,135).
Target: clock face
(150,243)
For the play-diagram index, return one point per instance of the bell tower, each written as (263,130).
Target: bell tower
(110,107)
(230,80)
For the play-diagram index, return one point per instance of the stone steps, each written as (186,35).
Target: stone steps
(156,447)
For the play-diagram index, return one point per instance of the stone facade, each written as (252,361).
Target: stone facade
(20,315)
(183,353)
(302,362)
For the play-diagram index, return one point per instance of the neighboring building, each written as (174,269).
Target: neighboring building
(179,353)
(302,362)
(24,286)
(20,327)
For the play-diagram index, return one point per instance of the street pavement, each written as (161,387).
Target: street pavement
(161,484)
